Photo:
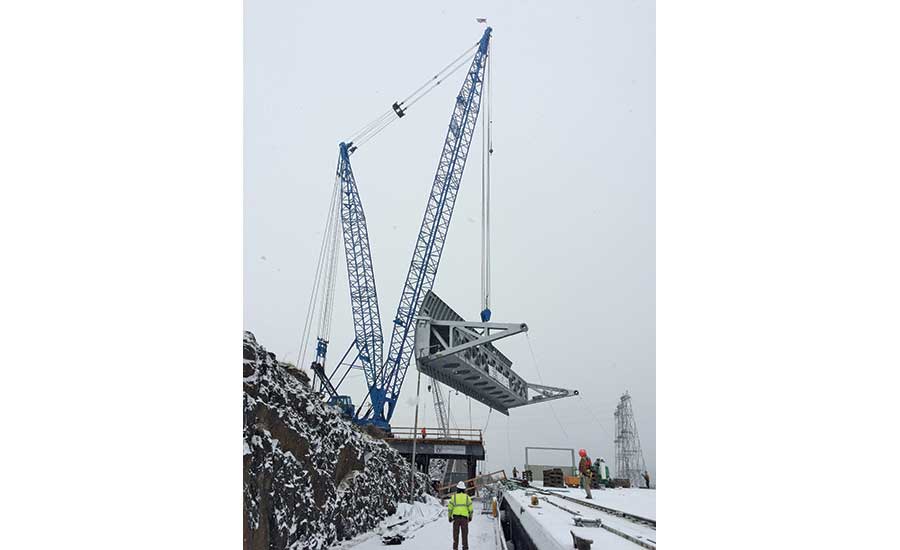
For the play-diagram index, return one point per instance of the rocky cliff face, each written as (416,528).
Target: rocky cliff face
(311,478)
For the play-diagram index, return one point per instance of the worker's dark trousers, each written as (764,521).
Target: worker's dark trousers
(460,523)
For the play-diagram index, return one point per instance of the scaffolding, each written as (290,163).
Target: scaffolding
(630,463)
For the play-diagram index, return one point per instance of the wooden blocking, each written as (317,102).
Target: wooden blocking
(621,482)
(554,478)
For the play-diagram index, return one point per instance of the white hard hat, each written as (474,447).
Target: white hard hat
(461,485)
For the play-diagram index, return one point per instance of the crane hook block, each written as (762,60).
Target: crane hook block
(399,110)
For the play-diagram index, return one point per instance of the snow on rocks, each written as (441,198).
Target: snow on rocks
(311,477)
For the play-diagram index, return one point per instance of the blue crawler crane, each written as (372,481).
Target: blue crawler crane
(385,377)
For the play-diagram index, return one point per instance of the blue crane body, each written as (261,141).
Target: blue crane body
(385,377)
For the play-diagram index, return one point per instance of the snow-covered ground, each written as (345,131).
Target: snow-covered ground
(424,526)
(640,502)
(550,527)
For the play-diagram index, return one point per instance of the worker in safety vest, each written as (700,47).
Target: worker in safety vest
(584,468)
(460,509)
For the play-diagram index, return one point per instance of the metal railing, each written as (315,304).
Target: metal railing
(437,433)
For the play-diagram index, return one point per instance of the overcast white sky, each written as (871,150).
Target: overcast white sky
(573,191)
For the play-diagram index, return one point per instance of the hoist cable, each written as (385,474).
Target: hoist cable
(592,413)
(541,380)
(484,214)
(508,444)
(488,421)
(490,145)
(486,152)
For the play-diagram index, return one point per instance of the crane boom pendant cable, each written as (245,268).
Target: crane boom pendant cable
(399,108)
(322,295)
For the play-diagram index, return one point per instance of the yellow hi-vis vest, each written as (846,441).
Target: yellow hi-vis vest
(460,505)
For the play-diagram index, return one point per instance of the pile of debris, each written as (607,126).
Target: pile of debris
(311,478)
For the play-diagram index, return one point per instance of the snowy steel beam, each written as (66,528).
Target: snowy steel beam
(461,355)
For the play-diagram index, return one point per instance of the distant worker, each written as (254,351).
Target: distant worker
(603,472)
(595,471)
(515,473)
(460,508)
(584,468)
(423,432)
(646,475)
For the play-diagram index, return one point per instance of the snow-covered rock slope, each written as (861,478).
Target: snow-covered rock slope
(311,478)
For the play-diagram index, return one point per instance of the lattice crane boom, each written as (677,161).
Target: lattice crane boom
(432,235)
(360,272)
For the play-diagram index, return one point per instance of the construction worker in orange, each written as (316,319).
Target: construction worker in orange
(460,508)
(423,432)
(584,469)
